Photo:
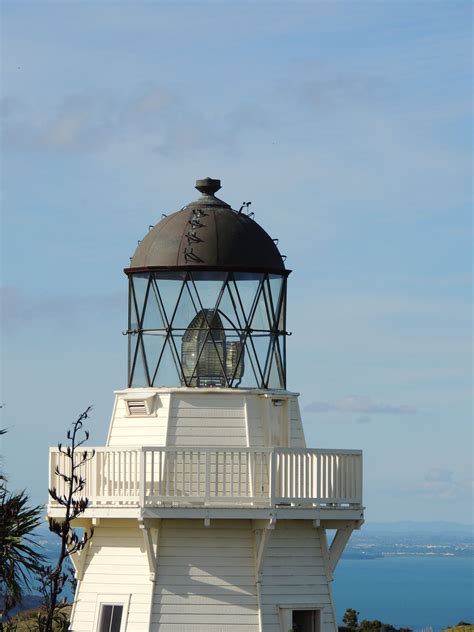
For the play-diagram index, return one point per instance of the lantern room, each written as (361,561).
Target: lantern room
(207,300)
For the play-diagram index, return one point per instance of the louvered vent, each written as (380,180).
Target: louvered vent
(137,408)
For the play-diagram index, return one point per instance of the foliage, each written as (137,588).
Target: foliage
(54,616)
(375,626)
(26,621)
(351,619)
(351,624)
(20,556)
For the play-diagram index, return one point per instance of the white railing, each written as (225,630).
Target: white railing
(244,476)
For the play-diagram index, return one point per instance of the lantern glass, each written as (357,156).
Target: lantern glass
(202,329)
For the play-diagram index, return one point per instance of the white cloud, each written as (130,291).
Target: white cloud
(360,404)
(440,484)
(151,115)
(19,310)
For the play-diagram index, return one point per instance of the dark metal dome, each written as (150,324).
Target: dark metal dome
(206,234)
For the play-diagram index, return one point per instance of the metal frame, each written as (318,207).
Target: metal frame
(239,323)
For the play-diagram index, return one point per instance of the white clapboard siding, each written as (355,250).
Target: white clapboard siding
(116,564)
(207,420)
(294,573)
(151,429)
(255,429)
(205,578)
(189,418)
(297,439)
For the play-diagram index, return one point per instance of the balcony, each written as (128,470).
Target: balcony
(119,481)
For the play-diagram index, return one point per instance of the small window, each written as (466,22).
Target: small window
(110,618)
(300,618)
(306,621)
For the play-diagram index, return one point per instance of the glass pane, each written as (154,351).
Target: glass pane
(244,290)
(253,365)
(140,284)
(250,377)
(139,377)
(282,315)
(168,373)
(261,317)
(261,345)
(187,308)
(105,618)
(116,618)
(234,358)
(155,317)
(275,283)
(153,345)
(110,618)
(169,289)
(230,312)
(208,286)
(276,374)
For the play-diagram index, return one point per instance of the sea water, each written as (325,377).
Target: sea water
(410,591)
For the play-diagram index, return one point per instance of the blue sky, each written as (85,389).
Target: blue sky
(348,126)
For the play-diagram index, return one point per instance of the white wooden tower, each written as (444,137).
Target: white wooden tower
(209,511)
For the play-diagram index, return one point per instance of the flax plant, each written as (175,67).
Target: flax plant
(20,557)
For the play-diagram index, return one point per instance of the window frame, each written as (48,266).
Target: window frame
(114,599)
(286,614)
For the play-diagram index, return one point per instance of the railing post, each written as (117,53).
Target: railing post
(273,476)
(251,474)
(360,474)
(208,476)
(52,464)
(142,485)
(92,493)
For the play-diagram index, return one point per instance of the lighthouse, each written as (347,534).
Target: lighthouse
(210,513)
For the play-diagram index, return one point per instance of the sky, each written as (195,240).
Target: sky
(348,127)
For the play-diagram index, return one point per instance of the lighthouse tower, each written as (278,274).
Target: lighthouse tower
(209,512)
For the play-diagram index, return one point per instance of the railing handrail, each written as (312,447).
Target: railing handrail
(216,449)
(146,475)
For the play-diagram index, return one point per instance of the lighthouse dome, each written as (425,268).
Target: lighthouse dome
(208,234)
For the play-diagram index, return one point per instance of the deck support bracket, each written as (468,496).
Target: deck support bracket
(323,541)
(151,552)
(263,528)
(78,560)
(261,540)
(338,545)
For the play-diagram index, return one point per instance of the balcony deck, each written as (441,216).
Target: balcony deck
(120,481)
